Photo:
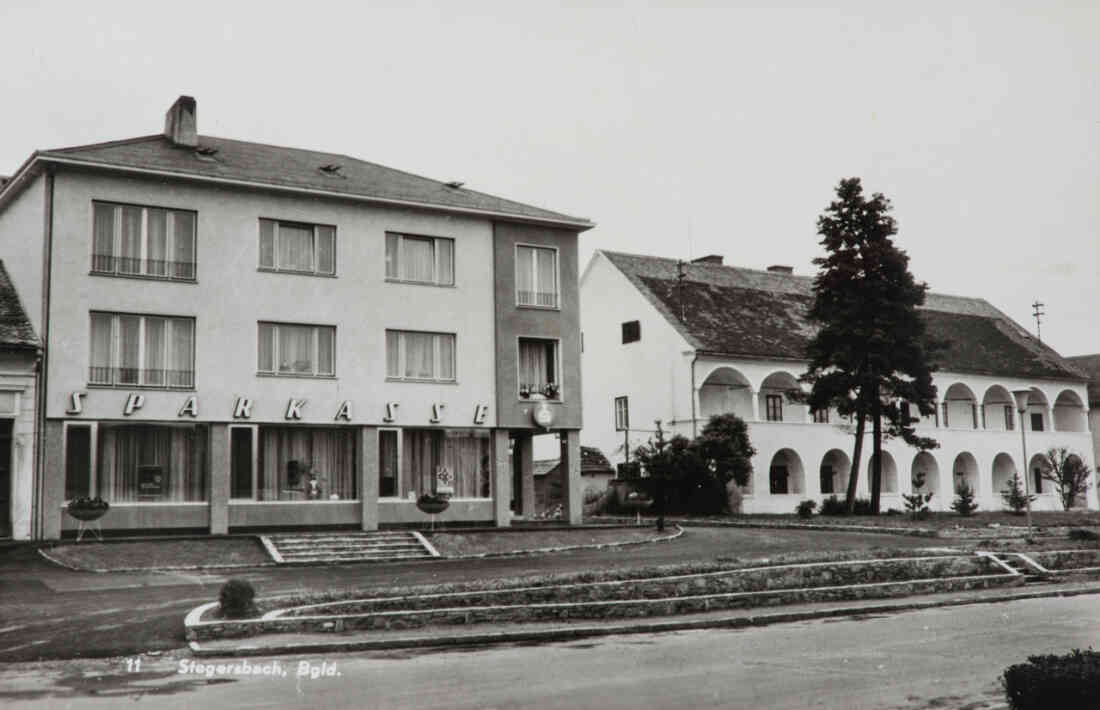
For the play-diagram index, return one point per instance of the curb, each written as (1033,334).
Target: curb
(578,632)
(568,548)
(912,532)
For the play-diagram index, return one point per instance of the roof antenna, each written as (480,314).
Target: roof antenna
(681,274)
(1038,313)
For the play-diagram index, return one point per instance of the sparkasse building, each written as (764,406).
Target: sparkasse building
(237,335)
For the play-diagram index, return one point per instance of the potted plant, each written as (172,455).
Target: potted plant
(550,390)
(87,509)
(432,503)
(524,391)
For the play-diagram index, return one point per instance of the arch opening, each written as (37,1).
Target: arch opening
(726,391)
(785,473)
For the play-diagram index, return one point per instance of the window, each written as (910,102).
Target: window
(773,404)
(153,242)
(1036,421)
(428,260)
(455,461)
(632,332)
(778,479)
(290,456)
(622,414)
(242,476)
(821,416)
(143,351)
(138,463)
(387,463)
(419,356)
(300,248)
(1010,421)
(536,277)
(538,368)
(305,350)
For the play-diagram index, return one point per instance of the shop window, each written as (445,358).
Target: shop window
(152,463)
(292,457)
(433,461)
(388,464)
(241,460)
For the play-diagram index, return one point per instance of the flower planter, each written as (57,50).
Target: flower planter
(432,506)
(86,509)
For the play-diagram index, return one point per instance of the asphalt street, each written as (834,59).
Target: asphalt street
(947,658)
(49,612)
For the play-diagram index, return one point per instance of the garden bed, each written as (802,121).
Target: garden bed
(1068,561)
(213,553)
(460,544)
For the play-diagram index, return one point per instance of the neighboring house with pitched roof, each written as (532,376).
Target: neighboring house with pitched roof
(19,349)
(723,339)
(222,319)
(1090,365)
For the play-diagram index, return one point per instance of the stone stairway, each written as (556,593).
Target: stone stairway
(337,547)
(1031,570)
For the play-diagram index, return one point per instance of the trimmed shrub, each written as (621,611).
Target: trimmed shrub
(836,506)
(236,599)
(1069,682)
(805,509)
(1083,534)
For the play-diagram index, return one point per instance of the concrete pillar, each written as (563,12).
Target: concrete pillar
(525,449)
(570,466)
(53,481)
(502,479)
(219,468)
(755,405)
(368,476)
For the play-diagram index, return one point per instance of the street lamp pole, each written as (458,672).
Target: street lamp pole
(1022,397)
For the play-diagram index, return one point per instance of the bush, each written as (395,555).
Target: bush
(1014,497)
(236,597)
(964,500)
(1083,534)
(835,506)
(1069,682)
(805,509)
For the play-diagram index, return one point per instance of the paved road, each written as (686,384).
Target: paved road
(49,612)
(944,658)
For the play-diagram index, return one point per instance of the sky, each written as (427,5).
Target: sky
(719,128)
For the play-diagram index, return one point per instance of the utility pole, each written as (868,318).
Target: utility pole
(1038,313)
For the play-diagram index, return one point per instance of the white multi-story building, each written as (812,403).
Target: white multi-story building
(238,335)
(680,343)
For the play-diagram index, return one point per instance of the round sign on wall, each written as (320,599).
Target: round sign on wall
(543,415)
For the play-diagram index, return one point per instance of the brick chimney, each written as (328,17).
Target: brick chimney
(715,259)
(181,125)
(780,269)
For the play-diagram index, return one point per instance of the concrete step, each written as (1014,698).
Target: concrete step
(349,545)
(306,548)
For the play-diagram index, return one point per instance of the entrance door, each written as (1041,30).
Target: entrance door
(5,477)
(517,478)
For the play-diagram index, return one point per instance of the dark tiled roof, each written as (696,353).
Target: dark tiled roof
(1090,365)
(592,461)
(760,314)
(296,168)
(15,328)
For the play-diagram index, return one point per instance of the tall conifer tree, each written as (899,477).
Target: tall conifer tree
(871,351)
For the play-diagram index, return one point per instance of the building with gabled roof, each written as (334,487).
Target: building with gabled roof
(237,335)
(19,352)
(679,342)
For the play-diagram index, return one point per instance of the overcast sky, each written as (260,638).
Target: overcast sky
(722,128)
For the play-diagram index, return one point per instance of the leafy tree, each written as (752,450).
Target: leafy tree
(1068,473)
(1014,497)
(725,448)
(870,350)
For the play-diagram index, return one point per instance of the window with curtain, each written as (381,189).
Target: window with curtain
(152,463)
(288,456)
(301,248)
(536,277)
(420,259)
(412,355)
(538,367)
(143,351)
(152,242)
(291,349)
(425,454)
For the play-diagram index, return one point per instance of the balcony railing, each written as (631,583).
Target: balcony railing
(545,299)
(141,377)
(153,268)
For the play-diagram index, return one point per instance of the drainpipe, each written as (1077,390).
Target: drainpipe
(41,376)
(693,424)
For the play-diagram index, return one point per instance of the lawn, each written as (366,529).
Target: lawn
(153,554)
(454,544)
(935,521)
